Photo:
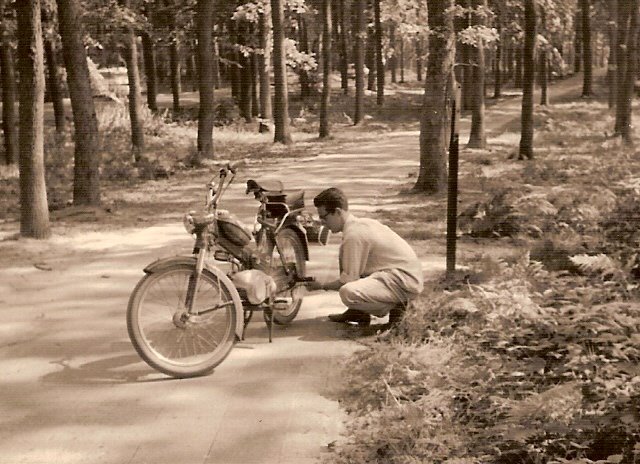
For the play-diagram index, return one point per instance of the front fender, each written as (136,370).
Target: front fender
(162,264)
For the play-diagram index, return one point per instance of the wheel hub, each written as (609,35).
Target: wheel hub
(180,319)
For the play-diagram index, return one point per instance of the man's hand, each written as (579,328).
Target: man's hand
(314,285)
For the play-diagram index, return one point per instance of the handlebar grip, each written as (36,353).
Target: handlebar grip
(306,279)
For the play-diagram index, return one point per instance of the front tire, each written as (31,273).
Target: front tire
(169,338)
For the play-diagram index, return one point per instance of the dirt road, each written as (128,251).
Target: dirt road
(74,391)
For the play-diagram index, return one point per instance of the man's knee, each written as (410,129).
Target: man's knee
(348,295)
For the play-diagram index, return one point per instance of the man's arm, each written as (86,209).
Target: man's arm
(334,285)
(315,285)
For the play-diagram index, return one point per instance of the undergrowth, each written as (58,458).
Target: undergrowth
(527,359)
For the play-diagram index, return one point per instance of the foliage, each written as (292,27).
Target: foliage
(498,371)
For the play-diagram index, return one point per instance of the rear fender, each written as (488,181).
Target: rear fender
(164,263)
(302,235)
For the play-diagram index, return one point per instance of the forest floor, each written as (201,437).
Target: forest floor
(76,390)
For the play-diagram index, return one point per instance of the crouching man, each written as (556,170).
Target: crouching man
(379,271)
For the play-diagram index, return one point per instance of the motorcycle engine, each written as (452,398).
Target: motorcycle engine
(257,285)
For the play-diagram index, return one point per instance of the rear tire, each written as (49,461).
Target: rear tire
(293,251)
(170,340)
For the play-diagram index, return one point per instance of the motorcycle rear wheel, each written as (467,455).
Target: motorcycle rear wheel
(293,252)
(166,336)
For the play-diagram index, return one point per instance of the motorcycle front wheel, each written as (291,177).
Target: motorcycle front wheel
(293,255)
(169,337)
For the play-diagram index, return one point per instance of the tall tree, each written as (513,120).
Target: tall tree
(631,73)
(477,137)
(53,76)
(528,80)
(577,43)
(542,63)
(613,60)
(130,52)
(282,133)
(244,100)
(436,103)
(379,53)
(34,212)
(9,113)
(587,52)
(623,22)
(344,54)
(264,66)
(358,52)
(86,175)
(204,18)
(326,68)
(419,58)
(149,59)
(497,67)
(176,81)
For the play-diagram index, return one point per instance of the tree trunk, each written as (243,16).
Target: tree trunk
(215,63)
(176,84)
(244,99)
(630,74)
(34,211)
(9,116)
(86,175)
(613,45)
(528,80)
(623,16)
(587,52)
(401,60)
(497,70)
(418,47)
(255,103)
(379,57)
(204,20)
(358,52)
(542,78)
(234,57)
(54,85)
(370,59)
(477,137)
(281,102)
(149,54)
(303,40)
(264,64)
(326,74)
(518,68)
(577,44)
(436,105)
(393,59)
(543,74)
(133,76)
(344,54)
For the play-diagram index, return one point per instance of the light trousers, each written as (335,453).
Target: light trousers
(377,293)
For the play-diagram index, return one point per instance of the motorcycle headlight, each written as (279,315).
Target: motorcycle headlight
(189,224)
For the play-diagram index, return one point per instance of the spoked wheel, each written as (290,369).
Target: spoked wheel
(293,253)
(173,340)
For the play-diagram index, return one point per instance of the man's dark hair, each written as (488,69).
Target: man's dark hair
(331,199)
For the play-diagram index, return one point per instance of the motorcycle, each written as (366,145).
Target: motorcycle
(186,312)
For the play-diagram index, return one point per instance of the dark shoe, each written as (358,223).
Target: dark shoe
(352,315)
(395,316)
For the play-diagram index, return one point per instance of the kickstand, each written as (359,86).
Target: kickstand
(269,313)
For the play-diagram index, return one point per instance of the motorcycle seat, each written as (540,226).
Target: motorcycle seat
(274,186)
(274,191)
